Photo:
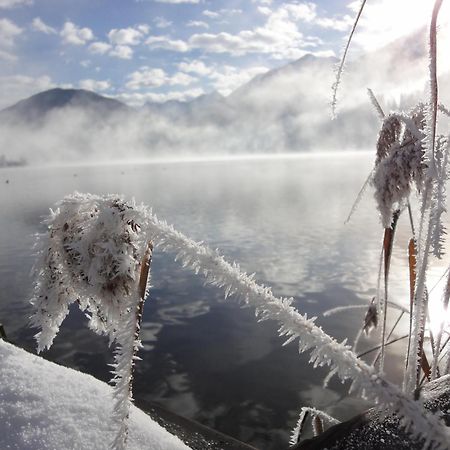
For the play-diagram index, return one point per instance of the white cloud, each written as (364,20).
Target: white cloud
(39,25)
(301,11)
(161,22)
(9,4)
(335,23)
(197,23)
(195,66)
(143,28)
(8,32)
(264,10)
(17,87)
(122,52)
(211,14)
(221,12)
(95,85)
(147,77)
(180,79)
(85,63)
(177,2)
(74,35)
(164,42)
(127,36)
(280,36)
(99,48)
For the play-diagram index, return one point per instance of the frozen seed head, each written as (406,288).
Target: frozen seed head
(91,254)
(400,161)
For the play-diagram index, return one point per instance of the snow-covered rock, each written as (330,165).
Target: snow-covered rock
(46,406)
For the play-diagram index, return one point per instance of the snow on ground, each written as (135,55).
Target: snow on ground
(46,406)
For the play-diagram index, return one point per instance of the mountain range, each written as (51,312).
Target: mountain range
(284,110)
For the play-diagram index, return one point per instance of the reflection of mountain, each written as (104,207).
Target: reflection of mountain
(283,110)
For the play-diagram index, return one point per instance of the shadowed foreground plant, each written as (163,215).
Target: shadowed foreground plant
(140,226)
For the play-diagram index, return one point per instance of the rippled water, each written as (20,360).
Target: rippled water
(205,358)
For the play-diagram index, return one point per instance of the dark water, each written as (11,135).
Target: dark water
(205,358)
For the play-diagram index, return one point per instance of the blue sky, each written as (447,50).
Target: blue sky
(157,50)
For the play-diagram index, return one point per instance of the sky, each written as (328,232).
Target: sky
(157,50)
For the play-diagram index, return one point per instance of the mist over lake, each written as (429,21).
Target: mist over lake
(204,357)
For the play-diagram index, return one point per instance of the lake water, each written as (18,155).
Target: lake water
(203,357)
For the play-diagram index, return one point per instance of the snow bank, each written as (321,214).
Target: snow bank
(46,406)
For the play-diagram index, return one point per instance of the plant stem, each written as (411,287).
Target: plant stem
(388,243)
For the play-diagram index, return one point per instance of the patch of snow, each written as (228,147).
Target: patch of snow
(46,406)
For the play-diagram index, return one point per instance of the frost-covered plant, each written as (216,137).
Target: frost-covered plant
(399,162)
(293,325)
(411,154)
(411,157)
(93,251)
(94,254)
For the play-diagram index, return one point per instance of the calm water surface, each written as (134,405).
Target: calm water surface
(203,357)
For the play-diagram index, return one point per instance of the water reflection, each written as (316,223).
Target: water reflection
(205,358)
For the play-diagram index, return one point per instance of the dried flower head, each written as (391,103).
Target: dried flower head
(400,160)
(92,255)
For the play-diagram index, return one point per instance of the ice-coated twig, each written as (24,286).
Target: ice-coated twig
(314,413)
(340,67)
(433,104)
(376,104)
(294,326)
(359,196)
(339,309)
(427,234)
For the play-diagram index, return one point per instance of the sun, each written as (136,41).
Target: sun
(385,21)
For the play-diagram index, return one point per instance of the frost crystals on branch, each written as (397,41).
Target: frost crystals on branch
(92,254)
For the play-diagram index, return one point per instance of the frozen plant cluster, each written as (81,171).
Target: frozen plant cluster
(92,255)
(400,161)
